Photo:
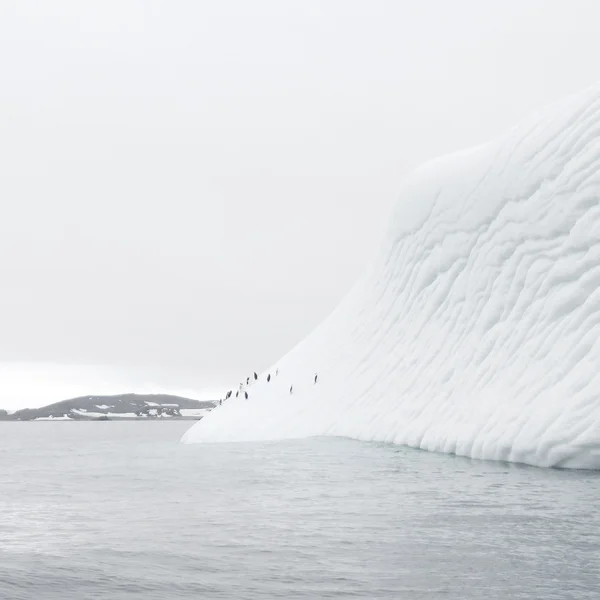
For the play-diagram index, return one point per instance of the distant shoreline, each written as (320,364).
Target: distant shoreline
(122,407)
(59,420)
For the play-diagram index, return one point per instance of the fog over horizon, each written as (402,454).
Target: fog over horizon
(189,188)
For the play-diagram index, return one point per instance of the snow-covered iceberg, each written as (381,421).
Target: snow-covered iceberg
(477,330)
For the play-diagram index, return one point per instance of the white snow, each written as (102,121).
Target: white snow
(91,414)
(85,413)
(121,415)
(151,403)
(104,406)
(51,418)
(194,412)
(477,331)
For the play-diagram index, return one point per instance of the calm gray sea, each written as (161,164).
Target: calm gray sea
(123,511)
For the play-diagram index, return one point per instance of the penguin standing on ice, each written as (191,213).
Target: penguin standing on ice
(247,380)
(237,394)
(255,376)
(291,389)
(316,377)
(220,402)
(268,377)
(276,372)
(246,394)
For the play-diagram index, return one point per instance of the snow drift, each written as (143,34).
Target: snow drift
(477,331)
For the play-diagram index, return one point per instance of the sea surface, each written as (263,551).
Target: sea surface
(117,511)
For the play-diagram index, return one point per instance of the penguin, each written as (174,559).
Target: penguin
(255,376)
(316,377)
(291,389)
(246,394)
(268,377)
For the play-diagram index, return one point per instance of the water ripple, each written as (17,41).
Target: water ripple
(122,511)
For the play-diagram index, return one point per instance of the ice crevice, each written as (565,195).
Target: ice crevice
(476,330)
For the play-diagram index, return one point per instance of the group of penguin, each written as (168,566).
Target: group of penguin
(241,388)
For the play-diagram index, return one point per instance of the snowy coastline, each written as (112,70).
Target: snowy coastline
(119,407)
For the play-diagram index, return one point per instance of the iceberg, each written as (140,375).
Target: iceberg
(476,331)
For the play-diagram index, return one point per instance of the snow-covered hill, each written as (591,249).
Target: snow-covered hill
(477,332)
(122,406)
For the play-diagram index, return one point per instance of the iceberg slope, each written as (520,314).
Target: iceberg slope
(477,330)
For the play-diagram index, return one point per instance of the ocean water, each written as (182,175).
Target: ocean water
(117,511)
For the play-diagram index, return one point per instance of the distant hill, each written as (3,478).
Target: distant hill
(122,406)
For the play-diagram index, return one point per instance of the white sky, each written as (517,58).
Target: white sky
(187,188)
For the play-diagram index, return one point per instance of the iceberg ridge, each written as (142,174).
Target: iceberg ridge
(477,329)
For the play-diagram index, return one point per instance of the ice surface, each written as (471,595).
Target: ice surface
(477,331)
(94,415)
(51,418)
(194,412)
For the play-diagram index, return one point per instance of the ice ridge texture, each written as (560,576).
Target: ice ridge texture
(476,332)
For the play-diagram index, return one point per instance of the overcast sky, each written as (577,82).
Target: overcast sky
(187,188)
